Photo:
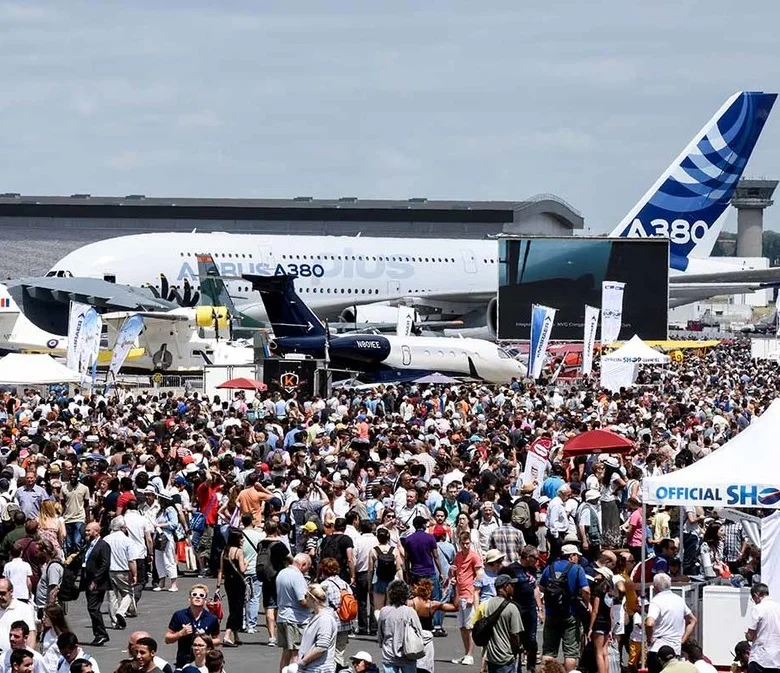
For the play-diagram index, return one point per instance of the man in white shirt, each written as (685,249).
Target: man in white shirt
(140,531)
(763,631)
(17,636)
(364,544)
(70,650)
(122,572)
(558,520)
(669,621)
(13,610)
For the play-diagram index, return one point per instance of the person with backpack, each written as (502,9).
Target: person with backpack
(341,547)
(498,628)
(589,524)
(342,601)
(525,511)
(564,588)
(384,566)
(272,556)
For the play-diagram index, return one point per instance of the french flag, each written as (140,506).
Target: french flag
(5,302)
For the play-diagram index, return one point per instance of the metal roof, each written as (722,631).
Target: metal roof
(302,207)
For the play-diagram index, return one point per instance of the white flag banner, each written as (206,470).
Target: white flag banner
(406,315)
(542,319)
(589,339)
(88,356)
(131,328)
(611,310)
(76,335)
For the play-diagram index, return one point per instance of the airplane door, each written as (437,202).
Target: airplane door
(393,288)
(406,356)
(469,261)
(265,259)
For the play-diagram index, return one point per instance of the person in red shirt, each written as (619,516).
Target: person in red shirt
(466,568)
(207,497)
(125,494)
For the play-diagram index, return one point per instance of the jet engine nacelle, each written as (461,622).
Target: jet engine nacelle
(370,314)
(205,316)
(491,318)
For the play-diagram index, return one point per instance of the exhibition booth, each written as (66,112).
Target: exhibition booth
(619,369)
(744,472)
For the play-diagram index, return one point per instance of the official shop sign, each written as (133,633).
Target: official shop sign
(731,495)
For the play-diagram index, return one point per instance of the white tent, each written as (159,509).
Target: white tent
(744,472)
(34,369)
(619,369)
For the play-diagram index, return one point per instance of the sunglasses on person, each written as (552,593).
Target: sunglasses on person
(197,594)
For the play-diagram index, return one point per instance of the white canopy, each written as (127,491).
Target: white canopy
(744,472)
(619,368)
(34,369)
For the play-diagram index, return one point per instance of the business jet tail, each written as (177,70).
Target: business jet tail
(691,195)
(287,312)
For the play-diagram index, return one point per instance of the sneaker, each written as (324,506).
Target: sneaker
(457,661)
(157,589)
(272,642)
(173,589)
(468,660)
(251,629)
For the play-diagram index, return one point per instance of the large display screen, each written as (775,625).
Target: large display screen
(566,274)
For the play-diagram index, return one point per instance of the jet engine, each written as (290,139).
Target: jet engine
(372,313)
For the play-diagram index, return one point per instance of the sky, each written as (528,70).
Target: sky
(456,100)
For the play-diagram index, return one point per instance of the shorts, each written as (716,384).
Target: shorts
(559,631)
(203,547)
(380,587)
(465,614)
(269,596)
(288,635)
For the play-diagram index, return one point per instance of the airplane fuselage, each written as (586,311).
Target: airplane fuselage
(372,352)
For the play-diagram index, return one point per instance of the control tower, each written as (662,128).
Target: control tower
(750,199)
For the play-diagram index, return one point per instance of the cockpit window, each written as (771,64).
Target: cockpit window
(59,273)
(503,354)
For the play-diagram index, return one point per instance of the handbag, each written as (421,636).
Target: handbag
(198,519)
(414,646)
(214,606)
(248,588)
(160,541)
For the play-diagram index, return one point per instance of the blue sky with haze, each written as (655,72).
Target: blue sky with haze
(463,100)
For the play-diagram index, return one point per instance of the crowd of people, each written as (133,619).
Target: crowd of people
(374,512)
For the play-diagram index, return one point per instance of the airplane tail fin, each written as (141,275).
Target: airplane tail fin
(287,312)
(7,304)
(687,201)
(213,291)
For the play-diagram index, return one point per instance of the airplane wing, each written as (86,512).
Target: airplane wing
(99,293)
(119,316)
(770,275)
(687,293)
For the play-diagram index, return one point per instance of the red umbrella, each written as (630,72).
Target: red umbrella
(243,384)
(596,441)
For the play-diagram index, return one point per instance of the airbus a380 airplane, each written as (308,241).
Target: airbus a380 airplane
(360,278)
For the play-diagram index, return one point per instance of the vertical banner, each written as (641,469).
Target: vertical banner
(536,462)
(128,333)
(88,356)
(406,315)
(589,339)
(78,312)
(542,318)
(611,310)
